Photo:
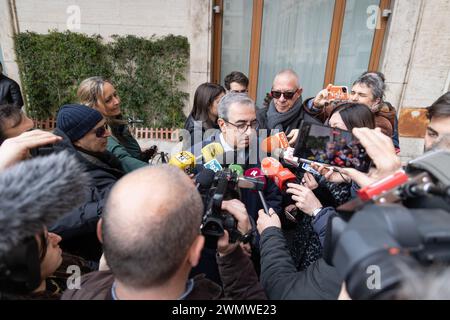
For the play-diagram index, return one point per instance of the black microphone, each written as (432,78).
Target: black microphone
(205,179)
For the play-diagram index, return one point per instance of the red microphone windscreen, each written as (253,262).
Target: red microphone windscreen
(283,177)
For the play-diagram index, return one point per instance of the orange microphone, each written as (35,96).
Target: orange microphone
(270,167)
(283,177)
(278,141)
(275,171)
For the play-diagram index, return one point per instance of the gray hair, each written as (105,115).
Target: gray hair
(375,82)
(232,98)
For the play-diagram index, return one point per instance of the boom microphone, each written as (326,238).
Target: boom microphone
(37,192)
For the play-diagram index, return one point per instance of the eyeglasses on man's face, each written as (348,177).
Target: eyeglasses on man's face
(288,95)
(243,127)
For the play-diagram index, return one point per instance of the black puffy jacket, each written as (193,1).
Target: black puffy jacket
(78,227)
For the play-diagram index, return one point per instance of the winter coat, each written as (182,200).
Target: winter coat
(78,227)
(10,92)
(240,282)
(125,147)
(282,281)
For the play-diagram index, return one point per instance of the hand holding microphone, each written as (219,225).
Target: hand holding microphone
(267,220)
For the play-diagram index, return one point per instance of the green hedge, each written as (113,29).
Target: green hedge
(146,72)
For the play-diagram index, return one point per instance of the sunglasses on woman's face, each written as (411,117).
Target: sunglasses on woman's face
(288,95)
(101,131)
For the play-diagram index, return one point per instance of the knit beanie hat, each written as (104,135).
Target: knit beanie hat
(75,120)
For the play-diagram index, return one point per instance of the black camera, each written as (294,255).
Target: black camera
(214,189)
(400,227)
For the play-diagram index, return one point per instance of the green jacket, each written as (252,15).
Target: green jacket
(128,152)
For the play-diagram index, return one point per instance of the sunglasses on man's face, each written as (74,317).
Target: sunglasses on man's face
(101,131)
(288,95)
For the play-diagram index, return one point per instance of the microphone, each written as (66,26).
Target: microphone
(212,151)
(237,168)
(278,141)
(256,173)
(270,166)
(183,160)
(213,165)
(37,192)
(283,177)
(186,161)
(205,179)
(275,171)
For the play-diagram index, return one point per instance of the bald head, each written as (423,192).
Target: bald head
(286,82)
(287,75)
(152,217)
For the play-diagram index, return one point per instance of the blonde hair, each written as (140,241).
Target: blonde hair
(90,91)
